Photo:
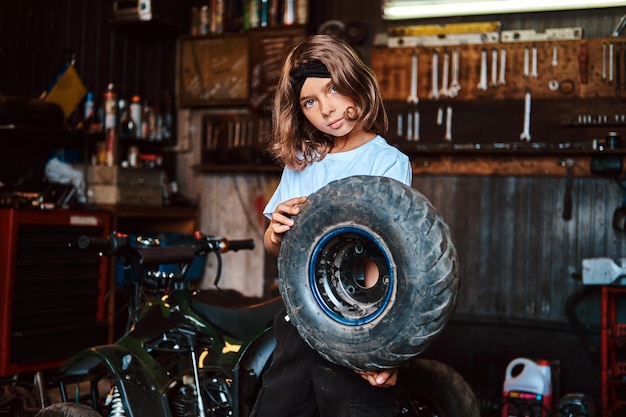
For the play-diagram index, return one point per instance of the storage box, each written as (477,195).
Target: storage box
(132,186)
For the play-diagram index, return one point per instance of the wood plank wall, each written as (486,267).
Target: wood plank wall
(516,252)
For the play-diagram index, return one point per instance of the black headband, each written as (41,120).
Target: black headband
(309,69)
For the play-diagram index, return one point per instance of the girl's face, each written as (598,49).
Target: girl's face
(325,108)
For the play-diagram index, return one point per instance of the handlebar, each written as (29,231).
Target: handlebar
(117,244)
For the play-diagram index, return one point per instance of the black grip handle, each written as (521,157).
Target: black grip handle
(108,245)
(243,244)
(156,255)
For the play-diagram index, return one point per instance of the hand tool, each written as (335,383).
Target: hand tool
(525,135)
(413,99)
(416,126)
(444,91)
(434,93)
(455,86)
(555,54)
(448,135)
(494,67)
(533,71)
(482,85)
(502,80)
(620,26)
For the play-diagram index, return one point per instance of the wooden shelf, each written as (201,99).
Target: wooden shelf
(509,163)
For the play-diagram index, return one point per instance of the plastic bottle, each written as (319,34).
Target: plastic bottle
(135,115)
(531,387)
(110,124)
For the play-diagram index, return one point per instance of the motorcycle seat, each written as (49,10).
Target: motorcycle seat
(237,316)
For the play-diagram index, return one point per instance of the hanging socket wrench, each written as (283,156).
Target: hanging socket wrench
(525,135)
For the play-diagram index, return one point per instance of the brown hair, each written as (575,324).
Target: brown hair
(295,142)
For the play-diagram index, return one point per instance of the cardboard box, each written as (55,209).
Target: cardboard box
(131,186)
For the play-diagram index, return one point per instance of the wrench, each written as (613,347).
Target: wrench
(502,80)
(525,135)
(555,54)
(412,99)
(448,135)
(416,126)
(455,87)
(444,91)
(533,72)
(434,93)
(494,67)
(482,85)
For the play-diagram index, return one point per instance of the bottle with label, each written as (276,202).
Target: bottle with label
(530,388)
(135,115)
(110,124)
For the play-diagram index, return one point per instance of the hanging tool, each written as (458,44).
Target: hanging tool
(569,165)
(482,85)
(434,93)
(413,99)
(455,86)
(448,136)
(555,56)
(525,135)
(620,26)
(533,71)
(502,79)
(444,91)
(416,126)
(494,67)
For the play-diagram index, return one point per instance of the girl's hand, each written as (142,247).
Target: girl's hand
(384,379)
(280,223)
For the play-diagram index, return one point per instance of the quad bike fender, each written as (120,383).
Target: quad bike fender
(141,389)
(252,362)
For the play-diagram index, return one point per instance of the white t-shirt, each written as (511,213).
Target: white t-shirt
(375,157)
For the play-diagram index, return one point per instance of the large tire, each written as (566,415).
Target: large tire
(321,275)
(68,410)
(435,389)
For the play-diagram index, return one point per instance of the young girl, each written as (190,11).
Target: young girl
(328,123)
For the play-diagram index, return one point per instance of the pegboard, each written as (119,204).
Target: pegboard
(583,68)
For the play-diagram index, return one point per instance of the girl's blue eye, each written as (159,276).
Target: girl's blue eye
(333,89)
(308,103)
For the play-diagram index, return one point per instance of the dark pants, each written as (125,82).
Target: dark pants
(300,383)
